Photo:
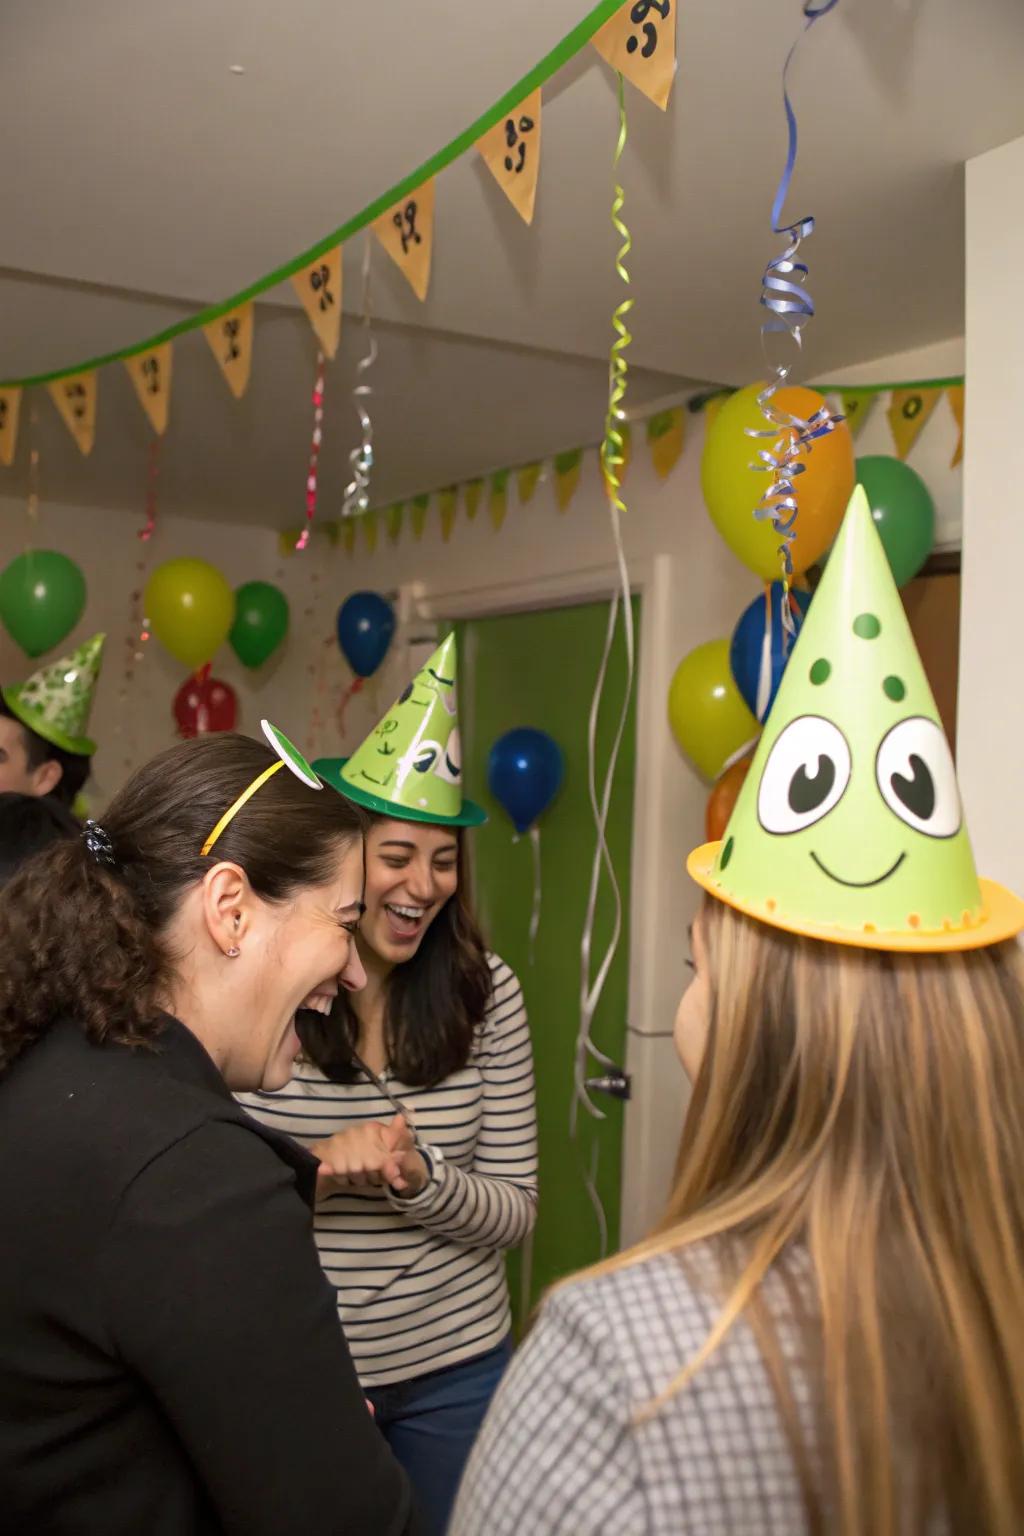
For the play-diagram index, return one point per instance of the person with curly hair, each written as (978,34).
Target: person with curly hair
(170,1355)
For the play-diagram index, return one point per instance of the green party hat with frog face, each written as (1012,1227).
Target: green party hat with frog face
(56,701)
(410,765)
(849,825)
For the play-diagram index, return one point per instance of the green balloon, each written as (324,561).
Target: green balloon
(261,622)
(903,511)
(42,598)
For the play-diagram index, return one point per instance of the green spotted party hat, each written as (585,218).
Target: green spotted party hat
(849,825)
(410,765)
(55,702)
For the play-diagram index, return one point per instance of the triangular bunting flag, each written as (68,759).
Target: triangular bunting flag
(287,540)
(665,435)
(640,42)
(712,408)
(418,514)
(473,490)
(319,288)
(498,499)
(150,372)
(406,232)
(369,522)
(909,411)
(393,520)
(329,531)
(511,152)
(955,394)
(526,481)
(75,399)
(446,503)
(567,476)
(348,535)
(10,408)
(230,338)
(856,408)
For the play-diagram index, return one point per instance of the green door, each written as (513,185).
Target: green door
(539,669)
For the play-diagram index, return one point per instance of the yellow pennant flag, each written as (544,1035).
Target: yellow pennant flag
(230,339)
(640,42)
(10,407)
(446,503)
(955,394)
(329,531)
(498,498)
(287,540)
(319,288)
(567,476)
(150,372)
(348,535)
(473,490)
(526,481)
(909,411)
(75,399)
(418,514)
(665,436)
(712,408)
(369,522)
(856,408)
(511,152)
(393,520)
(406,232)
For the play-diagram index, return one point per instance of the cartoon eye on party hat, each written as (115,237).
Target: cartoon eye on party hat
(288,756)
(56,701)
(410,765)
(849,825)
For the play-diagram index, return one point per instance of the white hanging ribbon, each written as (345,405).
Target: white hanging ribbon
(535,913)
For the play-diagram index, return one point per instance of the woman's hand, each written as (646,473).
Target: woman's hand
(370,1155)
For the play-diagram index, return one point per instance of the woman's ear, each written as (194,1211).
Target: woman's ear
(227,907)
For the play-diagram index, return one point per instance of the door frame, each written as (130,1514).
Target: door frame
(655,863)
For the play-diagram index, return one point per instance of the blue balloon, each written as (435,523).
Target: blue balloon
(366,623)
(747,648)
(524,772)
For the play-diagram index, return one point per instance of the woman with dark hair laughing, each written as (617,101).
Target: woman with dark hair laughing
(417,1095)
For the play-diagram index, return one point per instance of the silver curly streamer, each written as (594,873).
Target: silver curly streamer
(356,499)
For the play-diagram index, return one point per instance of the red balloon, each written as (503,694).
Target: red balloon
(723,797)
(203,703)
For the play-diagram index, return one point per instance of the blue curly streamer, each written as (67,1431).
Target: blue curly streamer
(789,307)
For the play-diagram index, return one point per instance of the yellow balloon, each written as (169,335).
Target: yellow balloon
(706,711)
(732,489)
(190,608)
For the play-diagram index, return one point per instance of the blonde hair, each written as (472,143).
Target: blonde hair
(869,1108)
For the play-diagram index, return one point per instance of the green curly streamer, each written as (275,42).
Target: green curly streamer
(613,455)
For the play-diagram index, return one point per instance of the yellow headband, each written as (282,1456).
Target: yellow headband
(233,810)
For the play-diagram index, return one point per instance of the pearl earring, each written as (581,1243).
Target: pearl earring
(233,951)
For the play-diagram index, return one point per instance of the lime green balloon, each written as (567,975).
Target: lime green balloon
(42,598)
(706,711)
(190,608)
(261,622)
(903,513)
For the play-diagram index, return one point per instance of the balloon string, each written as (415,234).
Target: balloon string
(535,912)
(789,305)
(612,459)
(152,474)
(355,686)
(356,499)
(764,675)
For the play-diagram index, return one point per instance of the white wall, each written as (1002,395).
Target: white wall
(990,734)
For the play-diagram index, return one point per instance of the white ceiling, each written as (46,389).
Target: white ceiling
(143,178)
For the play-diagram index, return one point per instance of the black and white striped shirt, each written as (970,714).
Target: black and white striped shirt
(421,1282)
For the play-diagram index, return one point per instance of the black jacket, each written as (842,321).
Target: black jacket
(171,1362)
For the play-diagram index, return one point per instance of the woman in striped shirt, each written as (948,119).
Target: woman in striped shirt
(417,1094)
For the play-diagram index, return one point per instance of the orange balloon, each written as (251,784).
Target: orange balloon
(723,797)
(732,488)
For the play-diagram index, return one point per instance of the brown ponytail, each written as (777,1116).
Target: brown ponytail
(82,924)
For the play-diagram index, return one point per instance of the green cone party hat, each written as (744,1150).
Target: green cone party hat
(55,701)
(410,765)
(849,825)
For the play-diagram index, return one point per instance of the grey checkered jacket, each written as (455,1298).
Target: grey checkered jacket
(559,1451)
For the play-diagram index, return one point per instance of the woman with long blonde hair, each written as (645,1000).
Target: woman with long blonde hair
(825,1333)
